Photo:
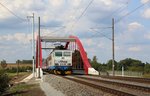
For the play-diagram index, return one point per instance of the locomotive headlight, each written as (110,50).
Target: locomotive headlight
(56,63)
(69,63)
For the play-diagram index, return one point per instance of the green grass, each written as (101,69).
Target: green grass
(20,89)
(146,75)
(11,75)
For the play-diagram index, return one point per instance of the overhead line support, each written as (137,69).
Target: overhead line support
(33,45)
(113,51)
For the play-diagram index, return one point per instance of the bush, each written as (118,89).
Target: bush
(4,81)
(21,69)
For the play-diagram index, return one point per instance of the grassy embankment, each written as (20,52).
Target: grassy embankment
(21,89)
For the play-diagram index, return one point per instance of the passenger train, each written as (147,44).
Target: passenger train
(59,62)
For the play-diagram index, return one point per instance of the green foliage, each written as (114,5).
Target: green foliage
(3,64)
(109,65)
(129,64)
(138,68)
(147,68)
(24,61)
(96,65)
(20,69)
(4,81)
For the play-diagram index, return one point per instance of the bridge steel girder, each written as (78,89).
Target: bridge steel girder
(82,53)
(68,41)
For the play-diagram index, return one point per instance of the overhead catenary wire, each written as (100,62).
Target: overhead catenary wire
(100,33)
(22,19)
(120,9)
(85,10)
(57,30)
(74,14)
(132,11)
(82,14)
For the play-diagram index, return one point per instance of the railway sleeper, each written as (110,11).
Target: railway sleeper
(103,88)
(141,88)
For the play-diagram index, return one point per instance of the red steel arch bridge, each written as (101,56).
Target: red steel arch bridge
(72,43)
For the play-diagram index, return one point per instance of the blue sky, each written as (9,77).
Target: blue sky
(132,33)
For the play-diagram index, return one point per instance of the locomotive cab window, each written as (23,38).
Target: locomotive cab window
(67,54)
(58,54)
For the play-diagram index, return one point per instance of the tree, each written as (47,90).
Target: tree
(24,61)
(3,63)
(109,65)
(95,60)
(131,64)
(4,79)
(95,64)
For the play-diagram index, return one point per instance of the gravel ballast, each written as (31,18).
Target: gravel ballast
(71,88)
(50,91)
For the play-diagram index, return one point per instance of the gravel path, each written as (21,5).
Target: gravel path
(50,91)
(71,88)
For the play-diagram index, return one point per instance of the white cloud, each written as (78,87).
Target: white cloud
(100,45)
(147,36)
(146,13)
(17,37)
(56,3)
(134,49)
(88,42)
(144,1)
(107,2)
(66,12)
(117,48)
(4,13)
(134,26)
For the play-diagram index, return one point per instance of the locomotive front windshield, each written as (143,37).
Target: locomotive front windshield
(58,54)
(67,54)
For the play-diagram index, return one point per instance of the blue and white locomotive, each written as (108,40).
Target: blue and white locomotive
(60,62)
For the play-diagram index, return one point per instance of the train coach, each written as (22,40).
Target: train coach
(59,62)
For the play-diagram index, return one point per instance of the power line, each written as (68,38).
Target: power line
(82,14)
(12,12)
(120,9)
(85,9)
(103,35)
(74,14)
(132,11)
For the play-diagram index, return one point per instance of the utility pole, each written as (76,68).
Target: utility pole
(39,48)
(113,51)
(17,68)
(33,45)
(123,70)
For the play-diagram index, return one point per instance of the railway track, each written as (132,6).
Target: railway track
(135,79)
(132,86)
(120,89)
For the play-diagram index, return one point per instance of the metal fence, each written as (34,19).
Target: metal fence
(127,73)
